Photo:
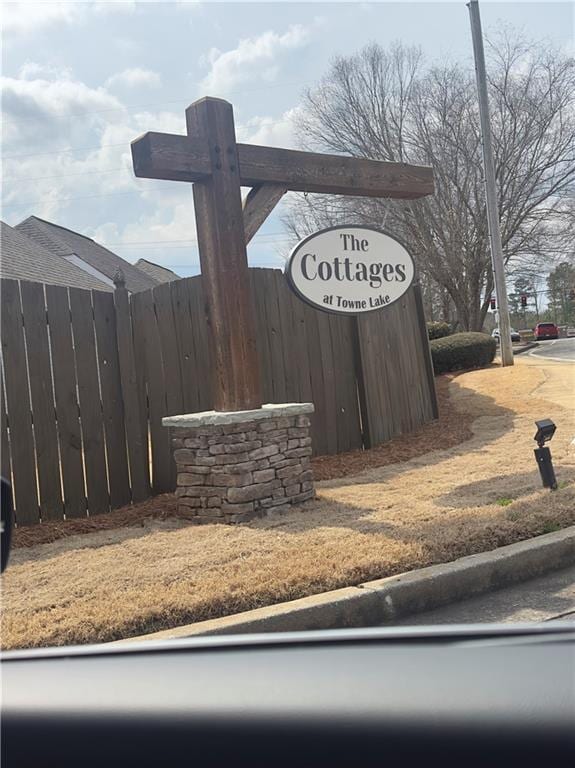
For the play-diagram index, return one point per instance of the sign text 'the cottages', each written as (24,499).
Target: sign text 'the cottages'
(350,270)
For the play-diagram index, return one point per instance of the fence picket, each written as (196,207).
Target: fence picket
(112,405)
(140,374)
(189,367)
(18,406)
(278,370)
(91,419)
(136,434)
(258,287)
(162,473)
(42,393)
(319,417)
(169,345)
(67,410)
(329,393)
(198,312)
(4,445)
(290,353)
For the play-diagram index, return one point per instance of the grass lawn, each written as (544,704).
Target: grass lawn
(392,517)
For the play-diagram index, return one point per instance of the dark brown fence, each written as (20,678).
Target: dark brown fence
(88,376)
(69,396)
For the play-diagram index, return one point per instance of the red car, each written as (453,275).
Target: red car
(546,331)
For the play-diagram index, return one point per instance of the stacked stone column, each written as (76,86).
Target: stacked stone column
(232,467)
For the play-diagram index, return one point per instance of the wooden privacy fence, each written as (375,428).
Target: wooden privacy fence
(88,376)
(72,436)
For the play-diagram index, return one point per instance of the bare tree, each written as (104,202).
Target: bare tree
(389,105)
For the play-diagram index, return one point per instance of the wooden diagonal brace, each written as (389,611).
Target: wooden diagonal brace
(258,204)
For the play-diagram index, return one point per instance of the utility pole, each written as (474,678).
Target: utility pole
(490,188)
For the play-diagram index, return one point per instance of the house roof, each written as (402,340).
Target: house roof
(24,259)
(156,271)
(64,242)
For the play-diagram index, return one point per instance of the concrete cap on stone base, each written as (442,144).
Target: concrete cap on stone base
(209,418)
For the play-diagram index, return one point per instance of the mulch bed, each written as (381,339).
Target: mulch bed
(160,507)
(452,428)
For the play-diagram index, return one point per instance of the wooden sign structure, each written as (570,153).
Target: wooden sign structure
(210,157)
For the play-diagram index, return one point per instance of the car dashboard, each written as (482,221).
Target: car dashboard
(461,695)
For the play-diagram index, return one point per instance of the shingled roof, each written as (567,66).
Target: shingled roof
(156,271)
(24,259)
(64,242)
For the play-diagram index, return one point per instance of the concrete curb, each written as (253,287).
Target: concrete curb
(386,600)
(526,348)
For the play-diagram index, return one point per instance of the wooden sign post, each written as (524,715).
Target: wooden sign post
(210,157)
(243,458)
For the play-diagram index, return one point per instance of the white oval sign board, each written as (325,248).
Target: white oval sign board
(350,270)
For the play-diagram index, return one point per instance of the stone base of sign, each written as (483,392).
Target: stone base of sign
(234,466)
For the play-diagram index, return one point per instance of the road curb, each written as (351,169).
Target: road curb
(384,601)
(526,348)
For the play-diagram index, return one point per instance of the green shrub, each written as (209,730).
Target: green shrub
(462,350)
(438,330)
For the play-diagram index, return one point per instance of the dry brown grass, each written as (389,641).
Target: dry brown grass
(118,583)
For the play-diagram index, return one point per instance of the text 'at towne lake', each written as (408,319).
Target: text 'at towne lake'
(350,269)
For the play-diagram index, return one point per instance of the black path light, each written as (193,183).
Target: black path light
(545,431)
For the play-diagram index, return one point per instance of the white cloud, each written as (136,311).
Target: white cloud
(42,118)
(21,17)
(43,109)
(127,45)
(254,58)
(31,70)
(106,7)
(135,77)
(190,5)
(270,131)
(170,223)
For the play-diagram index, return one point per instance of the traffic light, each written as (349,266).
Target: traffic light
(523,300)
(492,302)
(572,294)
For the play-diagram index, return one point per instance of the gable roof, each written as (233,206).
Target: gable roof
(64,242)
(156,271)
(24,259)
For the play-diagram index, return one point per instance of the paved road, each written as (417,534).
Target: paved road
(547,598)
(562,349)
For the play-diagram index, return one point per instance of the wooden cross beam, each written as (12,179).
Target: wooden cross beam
(186,158)
(210,157)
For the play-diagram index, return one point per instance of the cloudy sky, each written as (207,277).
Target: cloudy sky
(80,80)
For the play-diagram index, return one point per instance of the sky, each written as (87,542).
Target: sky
(80,80)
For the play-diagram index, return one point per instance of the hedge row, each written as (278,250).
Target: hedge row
(462,350)
(438,330)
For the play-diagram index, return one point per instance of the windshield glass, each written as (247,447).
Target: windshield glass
(278,377)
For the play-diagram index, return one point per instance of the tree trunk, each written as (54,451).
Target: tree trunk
(445,306)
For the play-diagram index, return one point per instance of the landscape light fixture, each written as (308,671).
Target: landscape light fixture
(545,431)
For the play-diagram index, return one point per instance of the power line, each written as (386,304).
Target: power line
(64,151)
(281,235)
(188,240)
(64,175)
(77,197)
(197,266)
(180,100)
(68,150)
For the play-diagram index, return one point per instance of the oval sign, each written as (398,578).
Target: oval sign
(350,270)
